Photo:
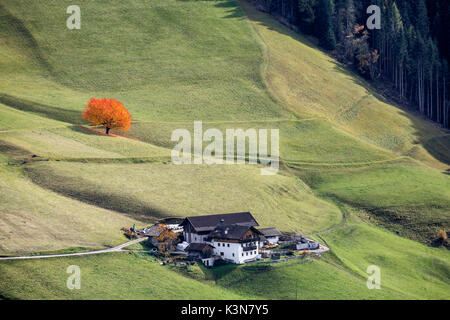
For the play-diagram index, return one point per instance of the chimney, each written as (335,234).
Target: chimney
(222,221)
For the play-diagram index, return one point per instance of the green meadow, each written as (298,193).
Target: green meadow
(106,276)
(360,175)
(160,190)
(403,195)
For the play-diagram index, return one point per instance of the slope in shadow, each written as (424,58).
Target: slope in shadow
(8,21)
(439,147)
(55,113)
(234,9)
(85,191)
(13,151)
(420,125)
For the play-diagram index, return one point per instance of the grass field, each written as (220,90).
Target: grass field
(274,200)
(408,267)
(405,273)
(131,276)
(402,190)
(311,140)
(108,276)
(75,142)
(360,174)
(312,84)
(170,69)
(35,219)
(12,119)
(404,264)
(317,279)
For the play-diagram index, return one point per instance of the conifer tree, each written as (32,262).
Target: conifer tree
(324,24)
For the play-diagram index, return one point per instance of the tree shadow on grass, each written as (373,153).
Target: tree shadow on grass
(90,193)
(13,151)
(55,113)
(234,11)
(86,131)
(439,147)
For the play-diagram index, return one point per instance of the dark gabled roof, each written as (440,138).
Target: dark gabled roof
(197,246)
(270,232)
(172,220)
(208,223)
(231,231)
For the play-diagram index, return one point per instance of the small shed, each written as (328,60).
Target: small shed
(306,244)
(272,235)
(201,251)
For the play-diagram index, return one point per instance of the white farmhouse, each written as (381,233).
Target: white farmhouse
(232,237)
(235,243)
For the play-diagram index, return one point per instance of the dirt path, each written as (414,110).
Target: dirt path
(114,249)
(332,228)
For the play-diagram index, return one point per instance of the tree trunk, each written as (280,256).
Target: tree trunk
(107,130)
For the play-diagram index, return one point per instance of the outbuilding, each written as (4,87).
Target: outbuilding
(201,251)
(271,235)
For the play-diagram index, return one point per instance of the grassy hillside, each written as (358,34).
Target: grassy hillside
(311,83)
(309,140)
(12,119)
(35,219)
(76,142)
(408,271)
(158,63)
(408,267)
(403,195)
(107,276)
(159,190)
(347,175)
(132,276)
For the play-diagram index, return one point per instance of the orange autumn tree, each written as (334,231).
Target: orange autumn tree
(108,113)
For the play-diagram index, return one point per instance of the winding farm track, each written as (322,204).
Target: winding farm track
(114,249)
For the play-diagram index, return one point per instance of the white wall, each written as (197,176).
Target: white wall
(231,251)
(234,252)
(209,262)
(273,240)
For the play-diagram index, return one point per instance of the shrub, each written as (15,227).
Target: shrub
(442,234)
